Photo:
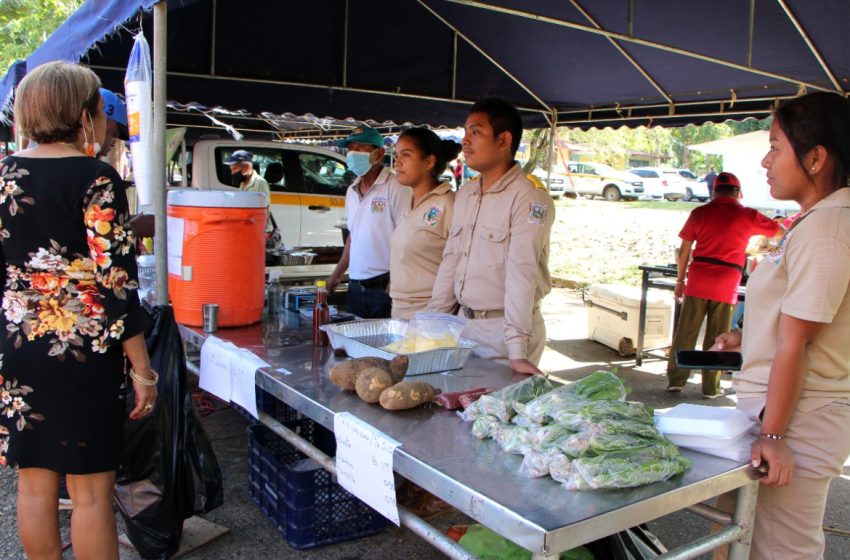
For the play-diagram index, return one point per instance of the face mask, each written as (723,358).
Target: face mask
(358,162)
(237,178)
(90,150)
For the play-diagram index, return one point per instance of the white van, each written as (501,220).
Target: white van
(307,185)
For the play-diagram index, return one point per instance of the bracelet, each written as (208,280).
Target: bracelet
(144,380)
(774,437)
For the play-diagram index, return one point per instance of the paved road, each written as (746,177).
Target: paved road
(569,355)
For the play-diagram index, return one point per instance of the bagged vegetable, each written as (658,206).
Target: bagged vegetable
(631,467)
(546,436)
(601,385)
(501,403)
(536,462)
(485,427)
(560,467)
(487,545)
(589,442)
(580,415)
(513,439)
(545,407)
(629,427)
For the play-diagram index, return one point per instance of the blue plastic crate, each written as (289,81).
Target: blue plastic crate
(272,406)
(299,497)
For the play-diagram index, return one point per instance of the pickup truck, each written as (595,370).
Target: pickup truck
(307,185)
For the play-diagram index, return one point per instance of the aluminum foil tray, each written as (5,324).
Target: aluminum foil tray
(361,339)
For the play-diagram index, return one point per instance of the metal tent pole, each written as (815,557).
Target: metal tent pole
(550,158)
(160,22)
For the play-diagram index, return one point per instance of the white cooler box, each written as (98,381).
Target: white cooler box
(613,317)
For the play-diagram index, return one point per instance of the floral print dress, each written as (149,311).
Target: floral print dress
(68,280)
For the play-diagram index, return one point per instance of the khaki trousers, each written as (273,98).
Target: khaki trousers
(490,336)
(788,524)
(718,320)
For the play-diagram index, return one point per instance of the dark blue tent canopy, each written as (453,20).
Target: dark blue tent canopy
(580,62)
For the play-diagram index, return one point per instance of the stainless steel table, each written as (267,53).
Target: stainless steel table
(439,453)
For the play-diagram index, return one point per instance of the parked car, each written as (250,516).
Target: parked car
(598,179)
(661,182)
(695,189)
(559,183)
(307,185)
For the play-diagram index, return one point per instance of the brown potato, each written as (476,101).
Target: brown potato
(408,394)
(345,375)
(371,383)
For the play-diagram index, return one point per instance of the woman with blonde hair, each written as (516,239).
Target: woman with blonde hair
(71,315)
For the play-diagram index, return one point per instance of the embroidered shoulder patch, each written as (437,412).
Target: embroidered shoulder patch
(432,216)
(537,213)
(379,204)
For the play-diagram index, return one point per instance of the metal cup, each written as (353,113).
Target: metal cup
(210,312)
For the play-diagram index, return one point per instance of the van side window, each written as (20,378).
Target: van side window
(268,162)
(324,175)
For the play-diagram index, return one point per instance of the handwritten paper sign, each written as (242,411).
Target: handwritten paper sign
(229,372)
(243,388)
(364,464)
(215,367)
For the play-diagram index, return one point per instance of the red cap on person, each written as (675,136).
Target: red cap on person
(726,178)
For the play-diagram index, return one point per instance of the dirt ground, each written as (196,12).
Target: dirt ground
(595,241)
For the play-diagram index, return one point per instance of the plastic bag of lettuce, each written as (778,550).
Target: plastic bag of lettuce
(487,545)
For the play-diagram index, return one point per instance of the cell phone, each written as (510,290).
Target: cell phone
(709,359)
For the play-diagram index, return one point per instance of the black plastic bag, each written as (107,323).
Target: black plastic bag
(169,471)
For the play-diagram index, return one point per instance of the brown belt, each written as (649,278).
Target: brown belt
(473,314)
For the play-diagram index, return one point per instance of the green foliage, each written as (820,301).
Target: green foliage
(669,144)
(25,24)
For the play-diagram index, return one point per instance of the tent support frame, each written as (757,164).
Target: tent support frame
(635,40)
(160,240)
(324,87)
(484,53)
(799,27)
(623,51)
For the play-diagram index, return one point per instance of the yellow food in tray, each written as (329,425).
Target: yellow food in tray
(419,343)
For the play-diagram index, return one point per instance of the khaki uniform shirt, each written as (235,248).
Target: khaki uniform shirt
(258,184)
(416,249)
(806,276)
(497,254)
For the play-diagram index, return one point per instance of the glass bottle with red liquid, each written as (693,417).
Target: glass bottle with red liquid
(321,314)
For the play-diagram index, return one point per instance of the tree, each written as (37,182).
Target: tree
(25,24)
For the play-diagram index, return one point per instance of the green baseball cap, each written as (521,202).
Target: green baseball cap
(363,135)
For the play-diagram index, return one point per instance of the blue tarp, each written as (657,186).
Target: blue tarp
(424,61)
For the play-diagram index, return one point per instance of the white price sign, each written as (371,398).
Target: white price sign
(364,464)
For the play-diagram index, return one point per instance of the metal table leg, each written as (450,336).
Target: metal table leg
(644,288)
(745,512)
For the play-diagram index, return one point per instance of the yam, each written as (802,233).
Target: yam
(407,394)
(371,383)
(398,367)
(344,375)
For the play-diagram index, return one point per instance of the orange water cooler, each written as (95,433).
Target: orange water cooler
(216,254)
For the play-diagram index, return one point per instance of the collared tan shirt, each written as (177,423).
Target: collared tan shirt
(806,276)
(497,254)
(416,247)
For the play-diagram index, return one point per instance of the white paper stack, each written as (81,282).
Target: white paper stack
(723,432)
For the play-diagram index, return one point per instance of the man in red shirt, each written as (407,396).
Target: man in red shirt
(721,229)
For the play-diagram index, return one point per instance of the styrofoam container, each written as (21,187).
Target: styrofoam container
(706,421)
(703,442)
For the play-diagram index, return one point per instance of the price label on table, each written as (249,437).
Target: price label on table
(364,463)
